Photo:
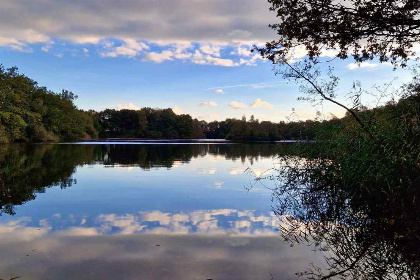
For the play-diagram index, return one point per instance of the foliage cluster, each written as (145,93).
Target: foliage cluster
(254,130)
(357,193)
(146,123)
(30,113)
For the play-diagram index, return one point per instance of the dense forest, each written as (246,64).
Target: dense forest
(31,113)
(165,124)
(146,123)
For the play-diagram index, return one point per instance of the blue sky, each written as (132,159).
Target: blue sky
(191,55)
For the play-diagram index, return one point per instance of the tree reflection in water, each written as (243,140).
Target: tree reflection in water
(29,169)
(362,234)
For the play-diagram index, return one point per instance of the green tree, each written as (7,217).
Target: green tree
(31,113)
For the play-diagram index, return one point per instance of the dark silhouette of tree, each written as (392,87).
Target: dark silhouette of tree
(363,29)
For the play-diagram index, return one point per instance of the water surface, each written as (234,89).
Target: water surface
(142,211)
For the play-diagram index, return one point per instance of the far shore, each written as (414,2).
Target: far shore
(204,141)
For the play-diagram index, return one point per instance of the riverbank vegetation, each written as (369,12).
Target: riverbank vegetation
(354,196)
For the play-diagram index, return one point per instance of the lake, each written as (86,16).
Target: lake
(142,211)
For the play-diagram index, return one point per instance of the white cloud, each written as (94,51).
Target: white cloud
(182,56)
(85,39)
(195,56)
(46,48)
(236,105)
(353,66)
(178,50)
(19,41)
(5,41)
(250,62)
(20,48)
(130,48)
(220,61)
(258,103)
(177,110)
(158,57)
(241,51)
(298,52)
(182,46)
(208,103)
(210,117)
(200,58)
(219,91)
(210,50)
(210,171)
(129,106)
(255,86)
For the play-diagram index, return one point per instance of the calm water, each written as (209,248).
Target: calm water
(141,211)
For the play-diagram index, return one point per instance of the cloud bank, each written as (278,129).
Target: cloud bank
(201,32)
(258,103)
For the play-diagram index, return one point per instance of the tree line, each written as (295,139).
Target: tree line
(31,113)
(165,124)
(146,123)
(254,130)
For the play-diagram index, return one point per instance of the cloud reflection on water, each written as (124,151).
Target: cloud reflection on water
(200,244)
(210,222)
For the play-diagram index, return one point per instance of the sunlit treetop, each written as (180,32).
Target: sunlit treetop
(364,30)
